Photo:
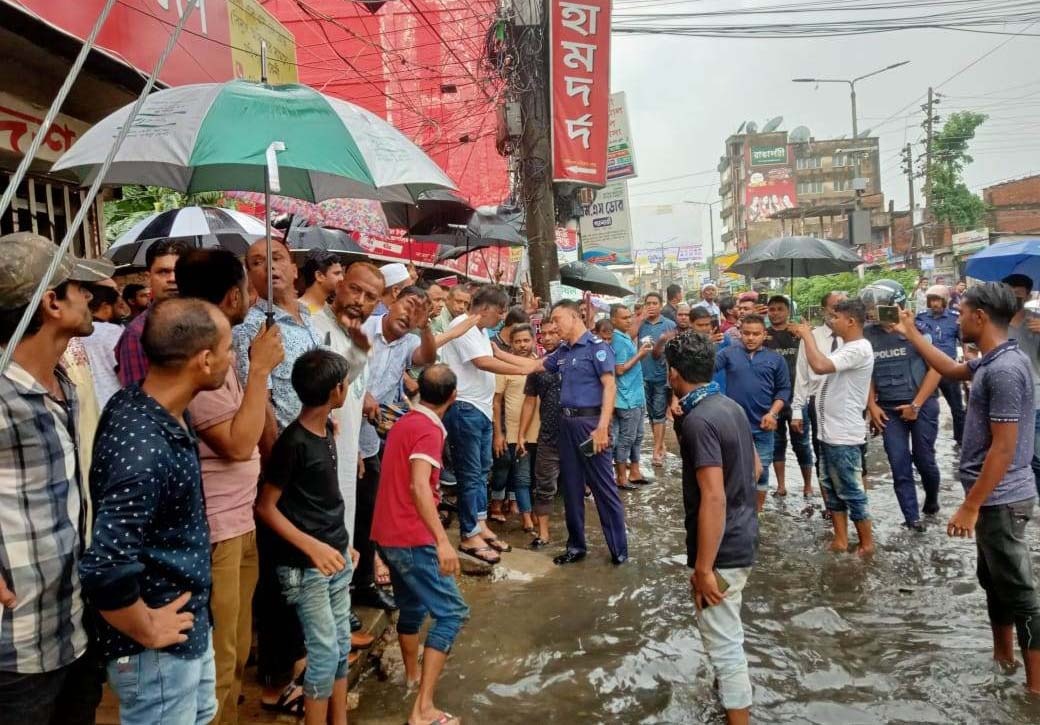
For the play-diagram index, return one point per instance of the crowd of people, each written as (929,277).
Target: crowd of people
(187,466)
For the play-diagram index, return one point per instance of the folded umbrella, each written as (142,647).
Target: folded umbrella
(200,226)
(996,262)
(592,278)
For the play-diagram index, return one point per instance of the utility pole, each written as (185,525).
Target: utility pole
(535,157)
(929,129)
(908,169)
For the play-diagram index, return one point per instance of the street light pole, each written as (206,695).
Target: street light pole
(852,88)
(711,232)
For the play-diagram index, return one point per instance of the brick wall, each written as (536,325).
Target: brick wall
(1014,206)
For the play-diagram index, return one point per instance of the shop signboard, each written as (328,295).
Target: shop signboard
(606,228)
(20,121)
(773,155)
(579,37)
(567,243)
(621,160)
(926,262)
(769,191)
(218,43)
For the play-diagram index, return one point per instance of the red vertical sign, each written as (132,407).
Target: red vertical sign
(579,34)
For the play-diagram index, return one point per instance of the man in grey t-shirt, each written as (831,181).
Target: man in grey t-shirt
(995,467)
(1025,327)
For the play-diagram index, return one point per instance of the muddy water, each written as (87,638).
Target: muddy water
(830,639)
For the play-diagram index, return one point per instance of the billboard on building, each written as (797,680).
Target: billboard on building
(621,159)
(770,155)
(606,227)
(579,35)
(770,187)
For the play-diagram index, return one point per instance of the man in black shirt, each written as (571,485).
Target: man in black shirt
(720,469)
(781,340)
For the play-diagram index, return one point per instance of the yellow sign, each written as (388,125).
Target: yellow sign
(248,24)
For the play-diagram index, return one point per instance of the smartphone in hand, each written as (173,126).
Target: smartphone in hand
(587,448)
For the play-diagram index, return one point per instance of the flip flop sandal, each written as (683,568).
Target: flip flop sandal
(538,543)
(498,545)
(529,529)
(777,493)
(445,719)
(639,482)
(627,487)
(286,703)
(498,518)
(476,552)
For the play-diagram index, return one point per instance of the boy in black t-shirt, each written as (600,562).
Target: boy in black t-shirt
(300,501)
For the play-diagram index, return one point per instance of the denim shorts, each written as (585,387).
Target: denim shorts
(841,475)
(323,605)
(764,446)
(421,589)
(656,401)
(626,430)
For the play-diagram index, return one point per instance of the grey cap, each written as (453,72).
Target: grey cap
(24,258)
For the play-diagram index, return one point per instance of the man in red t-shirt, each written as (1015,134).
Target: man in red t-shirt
(412,541)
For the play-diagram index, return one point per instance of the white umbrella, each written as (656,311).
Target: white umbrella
(200,226)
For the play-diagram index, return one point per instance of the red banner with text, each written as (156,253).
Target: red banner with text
(580,48)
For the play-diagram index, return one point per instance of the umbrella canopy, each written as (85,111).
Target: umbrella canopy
(994,263)
(795,257)
(303,238)
(590,278)
(489,226)
(202,226)
(433,210)
(215,136)
(354,215)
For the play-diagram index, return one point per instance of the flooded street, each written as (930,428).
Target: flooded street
(830,639)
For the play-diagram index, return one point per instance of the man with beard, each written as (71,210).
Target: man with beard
(46,675)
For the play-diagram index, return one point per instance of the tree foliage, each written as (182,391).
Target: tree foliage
(811,290)
(137,202)
(951,201)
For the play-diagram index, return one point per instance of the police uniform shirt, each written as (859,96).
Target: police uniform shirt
(945,330)
(899,370)
(581,365)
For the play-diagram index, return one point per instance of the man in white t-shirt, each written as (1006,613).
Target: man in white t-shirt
(840,402)
(468,422)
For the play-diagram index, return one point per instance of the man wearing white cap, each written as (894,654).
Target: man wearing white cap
(395,279)
(708,294)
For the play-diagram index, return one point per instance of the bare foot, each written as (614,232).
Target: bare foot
(839,546)
(865,550)
(807,492)
(1009,667)
(433,715)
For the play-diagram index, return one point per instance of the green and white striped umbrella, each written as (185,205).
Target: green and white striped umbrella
(213,137)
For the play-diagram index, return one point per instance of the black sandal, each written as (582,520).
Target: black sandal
(476,552)
(538,543)
(286,703)
(498,545)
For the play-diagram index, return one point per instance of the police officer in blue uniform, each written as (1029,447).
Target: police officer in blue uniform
(943,325)
(586,365)
(902,405)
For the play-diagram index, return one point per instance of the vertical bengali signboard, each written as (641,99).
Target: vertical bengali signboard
(770,183)
(606,228)
(579,34)
(621,159)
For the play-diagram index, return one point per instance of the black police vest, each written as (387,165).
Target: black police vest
(898,369)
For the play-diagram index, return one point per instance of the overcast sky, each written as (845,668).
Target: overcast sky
(686,95)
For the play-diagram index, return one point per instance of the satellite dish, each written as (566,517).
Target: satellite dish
(864,134)
(772,124)
(741,127)
(800,134)
(752,127)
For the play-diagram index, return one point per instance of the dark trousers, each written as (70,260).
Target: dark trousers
(279,637)
(1005,570)
(577,470)
(951,390)
(909,446)
(814,427)
(367,488)
(66,696)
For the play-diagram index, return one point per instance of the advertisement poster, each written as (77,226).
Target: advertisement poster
(579,34)
(567,243)
(621,159)
(606,228)
(769,191)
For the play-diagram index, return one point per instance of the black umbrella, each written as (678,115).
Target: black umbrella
(795,257)
(489,226)
(302,238)
(435,209)
(590,278)
(199,226)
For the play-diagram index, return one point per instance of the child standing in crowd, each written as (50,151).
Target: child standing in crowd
(300,501)
(423,564)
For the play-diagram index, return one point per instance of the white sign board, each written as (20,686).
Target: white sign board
(606,228)
(621,159)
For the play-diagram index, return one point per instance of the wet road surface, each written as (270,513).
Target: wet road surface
(830,638)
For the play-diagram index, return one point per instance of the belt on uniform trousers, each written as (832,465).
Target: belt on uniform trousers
(580,412)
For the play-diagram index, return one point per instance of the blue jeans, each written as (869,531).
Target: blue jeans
(323,606)
(421,589)
(899,437)
(469,433)
(513,474)
(156,687)
(656,400)
(626,430)
(800,442)
(841,475)
(764,446)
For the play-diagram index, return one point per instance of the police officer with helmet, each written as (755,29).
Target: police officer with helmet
(587,394)
(902,403)
(944,327)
